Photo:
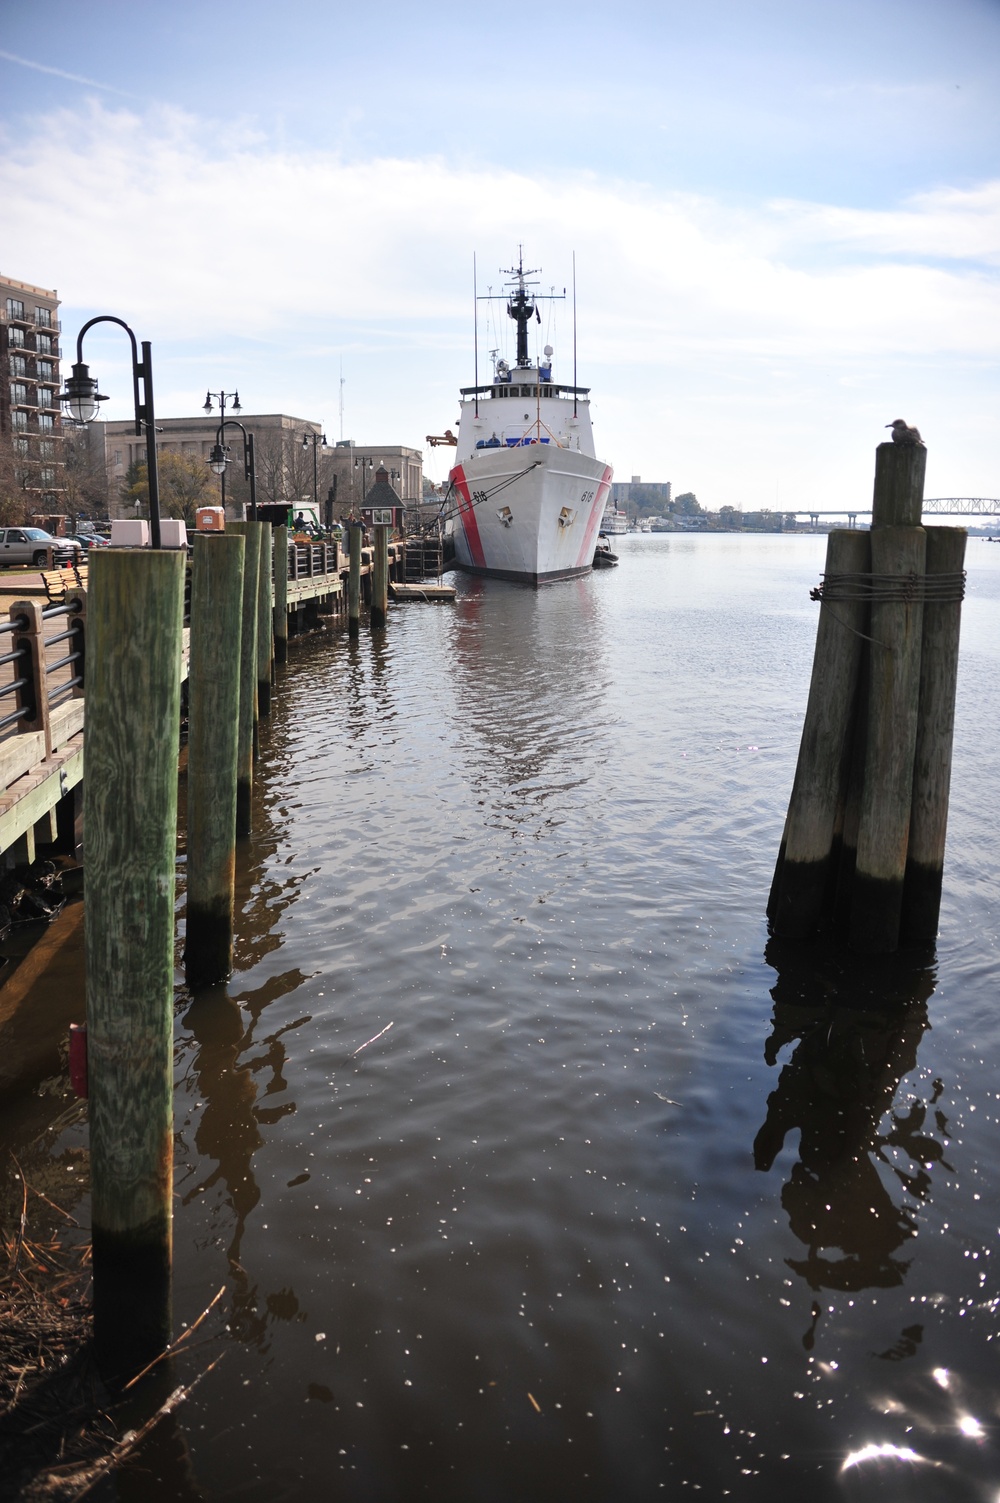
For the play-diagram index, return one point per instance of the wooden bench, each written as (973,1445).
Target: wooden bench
(59,583)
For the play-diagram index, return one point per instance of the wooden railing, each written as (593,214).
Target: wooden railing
(46,685)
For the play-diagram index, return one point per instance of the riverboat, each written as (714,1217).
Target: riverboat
(529,490)
(614,522)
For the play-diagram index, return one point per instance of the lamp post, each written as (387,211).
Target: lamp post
(222,397)
(318,441)
(361,465)
(218,461)
(81,398)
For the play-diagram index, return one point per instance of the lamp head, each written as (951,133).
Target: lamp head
(208,402)
(305,440)
(236,402)
(218,460)
(81,396)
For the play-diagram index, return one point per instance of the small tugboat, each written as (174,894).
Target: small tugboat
(603,557)
(529,488)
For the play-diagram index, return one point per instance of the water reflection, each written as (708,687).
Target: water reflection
(224,1073)
(862,1175)
(540,659)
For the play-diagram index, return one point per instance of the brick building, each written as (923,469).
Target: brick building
(29,391)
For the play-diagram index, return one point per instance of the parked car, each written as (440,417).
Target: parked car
(30,545)
(87,540)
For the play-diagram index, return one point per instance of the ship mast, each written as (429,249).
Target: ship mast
(521,306)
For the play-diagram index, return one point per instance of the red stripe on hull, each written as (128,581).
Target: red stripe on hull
(586,557)
(467,513)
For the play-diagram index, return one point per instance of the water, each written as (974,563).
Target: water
(518,1247)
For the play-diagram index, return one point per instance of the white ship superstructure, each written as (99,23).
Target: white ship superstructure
(530,492)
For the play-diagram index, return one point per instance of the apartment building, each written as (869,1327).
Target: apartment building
(29,391)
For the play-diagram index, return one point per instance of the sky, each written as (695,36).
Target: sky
(785,218)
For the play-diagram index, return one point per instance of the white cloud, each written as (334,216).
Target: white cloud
(698,321)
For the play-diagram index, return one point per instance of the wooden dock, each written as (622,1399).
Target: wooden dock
(42,676)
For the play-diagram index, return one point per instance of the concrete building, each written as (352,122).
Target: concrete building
(355,467)
(285,454)
(29,392)
(641,493)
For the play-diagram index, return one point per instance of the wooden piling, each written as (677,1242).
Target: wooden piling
(213,740)
(932,757)
(807,863)
(280,594)
(898,554)
(380,578)
(356,540)
(248,674)
(899,485)
(265,623)
(134,623)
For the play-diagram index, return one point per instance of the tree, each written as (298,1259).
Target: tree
(284,470)
(85,475)
(186,483)
(13,498)
(686,505)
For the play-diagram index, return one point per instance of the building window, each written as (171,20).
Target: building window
(44,344)
(48,475)
(46,448)
(19,421)
(118,458)
(43,318)
(18,365)
(15,339)
(46,422)
(15,308)
(18,392)
(21,447)
(45,398)
(44,368)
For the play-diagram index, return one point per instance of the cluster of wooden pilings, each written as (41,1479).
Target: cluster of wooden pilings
(862,853)
(238,630)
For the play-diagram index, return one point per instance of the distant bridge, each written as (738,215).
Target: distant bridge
(939,506)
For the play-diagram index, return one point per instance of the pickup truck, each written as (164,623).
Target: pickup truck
(30,545)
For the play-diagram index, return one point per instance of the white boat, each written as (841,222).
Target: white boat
(614,522)
(529,490)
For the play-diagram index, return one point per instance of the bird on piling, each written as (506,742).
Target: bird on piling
(902,433)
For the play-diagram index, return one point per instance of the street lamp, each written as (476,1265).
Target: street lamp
(218,461)
(318,440)
(361,465)
(222,397)
(81,399)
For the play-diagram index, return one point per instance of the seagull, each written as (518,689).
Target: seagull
(903,434)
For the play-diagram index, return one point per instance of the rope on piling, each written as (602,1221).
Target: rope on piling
(909,589)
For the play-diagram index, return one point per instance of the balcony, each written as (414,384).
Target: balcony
(45,322)
(17,314)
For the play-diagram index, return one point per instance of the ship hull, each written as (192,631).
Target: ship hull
(529,514)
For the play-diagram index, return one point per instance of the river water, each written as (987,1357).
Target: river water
(619,1202)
